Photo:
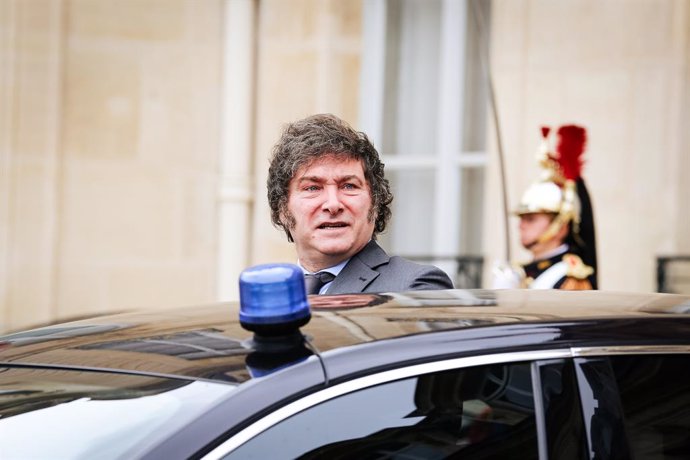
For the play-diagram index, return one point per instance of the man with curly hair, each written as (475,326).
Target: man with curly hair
(328,192)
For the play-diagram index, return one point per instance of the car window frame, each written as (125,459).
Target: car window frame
(356,384)
(371,380)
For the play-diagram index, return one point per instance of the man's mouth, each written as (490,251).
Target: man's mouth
(332,225)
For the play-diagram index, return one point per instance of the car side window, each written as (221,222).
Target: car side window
(563,423)
(655,397)
(481,412)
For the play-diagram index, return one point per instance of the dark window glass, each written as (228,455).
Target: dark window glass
(483,412)
(655,394)
(601,409)
(563,417)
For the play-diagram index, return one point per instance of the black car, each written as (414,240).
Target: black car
(418,375)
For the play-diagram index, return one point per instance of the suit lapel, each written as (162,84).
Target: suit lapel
(355,277)
(359,271)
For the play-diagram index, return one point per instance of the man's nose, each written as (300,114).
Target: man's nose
(332,201)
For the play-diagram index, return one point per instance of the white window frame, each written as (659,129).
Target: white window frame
(450,160)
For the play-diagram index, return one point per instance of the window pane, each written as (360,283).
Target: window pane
(476,111)
(655,394)
(411,225)
(563,417)
(483,412)
(410,126)
(431,109)
(601,409)
(471,211)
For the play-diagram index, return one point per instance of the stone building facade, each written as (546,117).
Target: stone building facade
(135,135)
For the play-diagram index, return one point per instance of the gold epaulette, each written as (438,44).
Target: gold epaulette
(576,268)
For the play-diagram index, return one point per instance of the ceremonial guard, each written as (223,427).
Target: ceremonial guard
(556,221)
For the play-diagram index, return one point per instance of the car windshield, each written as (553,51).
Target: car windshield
(77,414)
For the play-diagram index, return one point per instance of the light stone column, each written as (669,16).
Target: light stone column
(236,185)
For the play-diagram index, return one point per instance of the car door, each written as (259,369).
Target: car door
(528,405)
(474,407)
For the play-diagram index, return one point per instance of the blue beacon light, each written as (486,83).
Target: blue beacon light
(273,300)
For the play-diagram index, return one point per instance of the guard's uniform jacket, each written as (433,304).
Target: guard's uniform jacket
(564,270)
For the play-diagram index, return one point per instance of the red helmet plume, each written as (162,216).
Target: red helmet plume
(571,146)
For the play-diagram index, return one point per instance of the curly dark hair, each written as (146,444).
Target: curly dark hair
(306,140)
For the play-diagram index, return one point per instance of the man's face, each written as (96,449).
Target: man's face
(532,226)
(329,201)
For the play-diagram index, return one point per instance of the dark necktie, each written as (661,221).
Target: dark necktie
(314,282)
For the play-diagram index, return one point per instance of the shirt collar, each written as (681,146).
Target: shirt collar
(335,269)
(562,249)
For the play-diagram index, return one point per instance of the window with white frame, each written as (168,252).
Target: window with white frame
(424,105)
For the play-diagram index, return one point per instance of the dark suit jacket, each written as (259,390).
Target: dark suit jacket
(372,270)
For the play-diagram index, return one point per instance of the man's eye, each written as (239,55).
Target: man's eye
(349,186)
(311,188)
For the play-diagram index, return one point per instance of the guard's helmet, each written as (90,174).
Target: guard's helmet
(548,197)
(555,192)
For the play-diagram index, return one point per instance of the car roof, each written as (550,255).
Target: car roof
(207,342)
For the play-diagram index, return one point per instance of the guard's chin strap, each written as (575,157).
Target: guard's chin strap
(559,221)
(566,214)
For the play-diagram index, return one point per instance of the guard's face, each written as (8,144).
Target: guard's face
(329,202)
(532,226)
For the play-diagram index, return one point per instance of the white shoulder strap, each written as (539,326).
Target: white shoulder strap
(550,276)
